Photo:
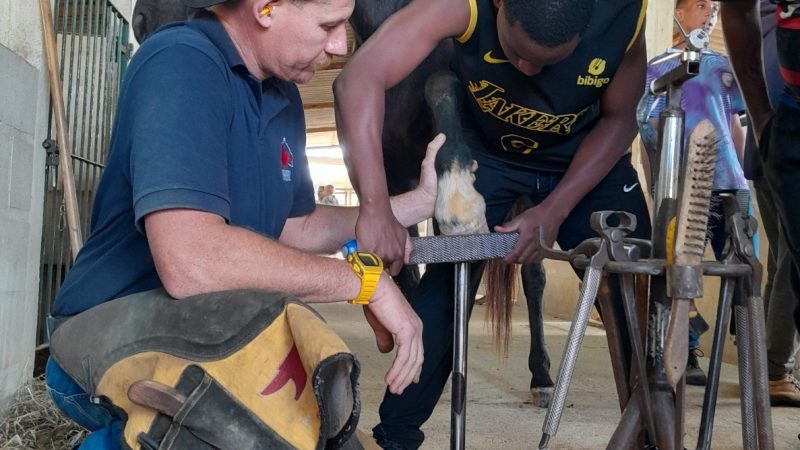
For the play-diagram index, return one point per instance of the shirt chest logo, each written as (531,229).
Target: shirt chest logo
(492,60)
(287,161)
(596,68)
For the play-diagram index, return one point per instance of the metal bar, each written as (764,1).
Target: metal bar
(669,166)
(112,61)
(88,165)
(715,364)
(73,122)
(664,412)
(638,361)
(680,411)
(747,404)
(97,123)
(81,138)
(758,351)
(626,434)
(104,83)
(459,378)
(63,31)
(615,326)
(589,287)
(118,34)
(689,67)
(88,161)
(68,72)
(655,267)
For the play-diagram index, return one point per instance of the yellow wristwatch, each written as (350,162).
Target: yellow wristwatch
(368,267)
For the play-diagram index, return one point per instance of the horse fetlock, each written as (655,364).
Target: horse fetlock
(541,396)
(460,209)
(441,87)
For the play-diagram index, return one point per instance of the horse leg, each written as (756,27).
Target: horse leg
(533,282)
(460,209)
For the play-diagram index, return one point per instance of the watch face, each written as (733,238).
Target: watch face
(368,259)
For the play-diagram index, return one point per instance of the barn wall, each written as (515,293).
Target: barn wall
(23,122)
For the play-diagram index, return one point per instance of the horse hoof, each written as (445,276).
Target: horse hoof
(541,396)
(460,209)
(462,228)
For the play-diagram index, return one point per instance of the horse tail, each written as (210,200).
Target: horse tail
(500,287)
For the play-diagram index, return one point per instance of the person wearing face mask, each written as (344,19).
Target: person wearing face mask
(207,187)
(550,92)
(711,95)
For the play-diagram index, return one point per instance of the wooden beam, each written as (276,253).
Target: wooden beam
(320,130)
(659,26)
(322,105)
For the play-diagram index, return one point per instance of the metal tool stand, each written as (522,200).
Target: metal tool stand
(656,402)
(596,255)
(460,250)
(742,294)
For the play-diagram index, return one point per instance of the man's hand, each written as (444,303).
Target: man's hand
(390,316)
(527,225)
(428,182)
(378,231)
(383,338)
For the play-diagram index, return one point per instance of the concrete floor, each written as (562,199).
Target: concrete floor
(499,411)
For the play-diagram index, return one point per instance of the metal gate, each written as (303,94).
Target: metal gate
(93,50)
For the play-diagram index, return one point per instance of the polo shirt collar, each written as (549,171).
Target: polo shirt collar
(208,24)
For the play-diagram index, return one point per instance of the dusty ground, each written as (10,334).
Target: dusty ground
(499,412)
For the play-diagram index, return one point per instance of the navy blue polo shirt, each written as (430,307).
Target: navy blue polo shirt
(194,129)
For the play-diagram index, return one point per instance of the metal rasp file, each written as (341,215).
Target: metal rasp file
(461,248)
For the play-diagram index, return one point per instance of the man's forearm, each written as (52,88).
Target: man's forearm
(595,158)
(328,227)
(198,252)
(743,37)
(359,118)
(610,137)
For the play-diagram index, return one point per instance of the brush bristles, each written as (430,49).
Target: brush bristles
(698,179)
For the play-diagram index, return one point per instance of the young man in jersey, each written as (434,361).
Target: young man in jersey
(551,91)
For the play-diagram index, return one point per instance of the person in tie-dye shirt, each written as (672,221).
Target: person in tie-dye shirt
(711,95)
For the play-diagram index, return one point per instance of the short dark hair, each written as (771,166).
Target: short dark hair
(550,22)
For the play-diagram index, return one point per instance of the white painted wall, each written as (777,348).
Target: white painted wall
(23,124)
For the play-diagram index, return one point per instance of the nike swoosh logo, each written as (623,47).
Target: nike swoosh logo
(489,59)
(628,189)
(789,11)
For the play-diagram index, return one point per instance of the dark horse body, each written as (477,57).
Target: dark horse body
(408,127)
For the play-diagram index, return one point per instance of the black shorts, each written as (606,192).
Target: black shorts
(501,184)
